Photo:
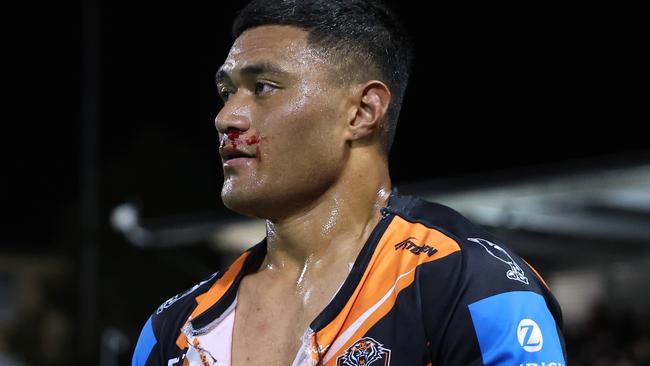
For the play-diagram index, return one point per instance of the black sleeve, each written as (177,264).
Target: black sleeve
(483,305)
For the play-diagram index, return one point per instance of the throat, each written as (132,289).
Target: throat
(338,222)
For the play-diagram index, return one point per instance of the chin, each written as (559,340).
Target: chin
(240,201)
(260,204)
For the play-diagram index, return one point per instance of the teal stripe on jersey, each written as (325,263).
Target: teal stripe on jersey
(145,344)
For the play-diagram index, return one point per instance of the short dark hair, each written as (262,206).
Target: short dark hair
(364,36)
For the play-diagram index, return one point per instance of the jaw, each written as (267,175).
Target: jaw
(276,197)
(289,178)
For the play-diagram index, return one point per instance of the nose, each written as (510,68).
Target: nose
(233,115)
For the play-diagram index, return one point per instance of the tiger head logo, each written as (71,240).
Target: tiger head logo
(363,353)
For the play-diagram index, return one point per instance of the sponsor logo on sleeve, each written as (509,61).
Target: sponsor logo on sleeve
(516,328)
(529,335)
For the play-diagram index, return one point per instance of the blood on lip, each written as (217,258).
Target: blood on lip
(233,136)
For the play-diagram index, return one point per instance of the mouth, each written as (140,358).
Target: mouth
(228,154)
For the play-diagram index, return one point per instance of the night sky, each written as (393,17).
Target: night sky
(492,90)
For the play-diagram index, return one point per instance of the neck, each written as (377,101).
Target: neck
(334,227)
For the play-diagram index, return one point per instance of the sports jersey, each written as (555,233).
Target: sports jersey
(427,288)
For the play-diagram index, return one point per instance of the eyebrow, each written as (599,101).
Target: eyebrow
(252,70)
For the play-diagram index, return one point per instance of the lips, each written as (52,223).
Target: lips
(228,153)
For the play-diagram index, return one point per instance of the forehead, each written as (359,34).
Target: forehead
(286,46)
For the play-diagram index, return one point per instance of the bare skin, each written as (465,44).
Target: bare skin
(276,305)
(318,176)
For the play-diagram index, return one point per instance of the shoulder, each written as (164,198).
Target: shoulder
(161,330)
(483,260)
(178,304)
(480,266)
(482,295)
(170,316)
(436,216)
(161,339)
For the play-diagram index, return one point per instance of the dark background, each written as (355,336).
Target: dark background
(494,91)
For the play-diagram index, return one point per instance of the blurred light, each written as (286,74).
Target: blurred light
(239,236)
(124,217)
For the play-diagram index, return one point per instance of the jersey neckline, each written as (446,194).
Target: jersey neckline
(254,257)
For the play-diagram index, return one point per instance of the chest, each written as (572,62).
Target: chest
(270,324)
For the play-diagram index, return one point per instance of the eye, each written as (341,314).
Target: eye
(262,87)
(225,93)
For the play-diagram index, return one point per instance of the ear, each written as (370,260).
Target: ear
(371,103)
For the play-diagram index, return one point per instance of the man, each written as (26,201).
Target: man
(349,273)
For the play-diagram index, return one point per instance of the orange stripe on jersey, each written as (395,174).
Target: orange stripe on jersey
(536,273)
(218,289)
(181,342)
(403,247)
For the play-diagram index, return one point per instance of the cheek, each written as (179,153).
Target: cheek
(253,140)
(305,137)
(302,128)
(301,158)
